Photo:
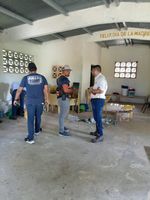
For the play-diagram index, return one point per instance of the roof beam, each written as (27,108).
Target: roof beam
(88,31)
(105,44)
(125,41)
(125,25)
(15,15)
(130,41)
(98,15)
(117,26)
(58,36)
(57,7)
(34,41)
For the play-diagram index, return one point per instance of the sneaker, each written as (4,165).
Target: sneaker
(25,139)
(29,141)
(66,130)
(64,134)
(36,134)
(93,133)
(98,139)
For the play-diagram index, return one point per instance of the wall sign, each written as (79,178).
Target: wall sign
(15,62)
(127,34)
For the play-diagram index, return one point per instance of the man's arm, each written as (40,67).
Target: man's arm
(46,93)
(99,87)
(67,89)
(97,91)
(20,89)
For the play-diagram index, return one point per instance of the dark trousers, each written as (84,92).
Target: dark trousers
(97,107)
(34,113)
(21,107)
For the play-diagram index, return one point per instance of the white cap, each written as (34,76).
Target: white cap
(66,67)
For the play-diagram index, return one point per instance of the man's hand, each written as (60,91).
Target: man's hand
(15,103)
(67,89)
(90,89)
(47,101)
(96,91)
(17,97)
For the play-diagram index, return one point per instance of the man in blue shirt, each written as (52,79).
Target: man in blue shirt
(37,93)
(63,92)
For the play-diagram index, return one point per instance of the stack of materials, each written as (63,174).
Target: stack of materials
(4,107)
(121,112)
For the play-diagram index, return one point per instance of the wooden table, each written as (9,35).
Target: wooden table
(120,112)
(133,100)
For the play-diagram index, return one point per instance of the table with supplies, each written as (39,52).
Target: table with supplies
(120,112)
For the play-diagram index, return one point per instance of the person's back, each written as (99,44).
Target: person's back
(37,93)
(34,84)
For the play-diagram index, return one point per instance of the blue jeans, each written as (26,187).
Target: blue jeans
(34,119)
(97,107)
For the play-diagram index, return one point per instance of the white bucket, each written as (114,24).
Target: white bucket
(124,92)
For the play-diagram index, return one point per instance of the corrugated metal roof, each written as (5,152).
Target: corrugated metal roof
(126,42)
(93,29)
(37,9)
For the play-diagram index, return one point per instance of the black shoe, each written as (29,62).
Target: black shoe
(26,139)
(98,139)
(93,133)
(64,134)
(29,141)
(66,130)
(38,133)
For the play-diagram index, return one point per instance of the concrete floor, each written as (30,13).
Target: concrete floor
(57,168)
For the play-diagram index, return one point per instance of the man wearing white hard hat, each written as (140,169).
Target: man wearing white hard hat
(63,92)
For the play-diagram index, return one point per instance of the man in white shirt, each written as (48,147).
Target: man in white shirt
(14,86)
(98,92)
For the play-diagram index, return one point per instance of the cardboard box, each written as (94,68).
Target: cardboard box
(125,116)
